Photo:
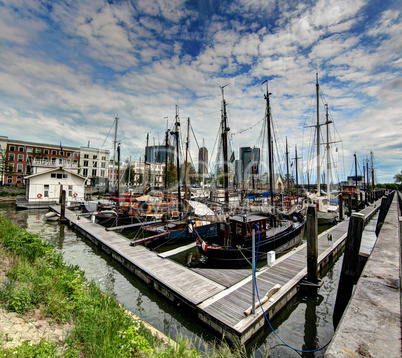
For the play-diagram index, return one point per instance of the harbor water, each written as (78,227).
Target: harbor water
(305,323)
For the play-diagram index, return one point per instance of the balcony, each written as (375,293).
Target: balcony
(59,162)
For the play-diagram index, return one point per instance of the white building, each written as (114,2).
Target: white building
(94,164)
(50,177)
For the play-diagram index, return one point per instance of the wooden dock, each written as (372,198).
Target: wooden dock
(371,323)
(219,296)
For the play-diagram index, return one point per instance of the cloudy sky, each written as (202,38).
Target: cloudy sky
(68,67)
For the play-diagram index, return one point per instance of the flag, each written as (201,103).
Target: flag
(61,148)
(291,164)
(232,157)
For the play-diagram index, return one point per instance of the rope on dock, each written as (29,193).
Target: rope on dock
(266,317)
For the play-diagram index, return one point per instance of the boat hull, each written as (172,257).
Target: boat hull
(228,256)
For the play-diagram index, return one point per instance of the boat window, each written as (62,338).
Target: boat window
(238,229)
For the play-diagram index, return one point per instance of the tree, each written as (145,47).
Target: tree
(191,173)
(129,175)
(398,177)
(5,167)
(171,174)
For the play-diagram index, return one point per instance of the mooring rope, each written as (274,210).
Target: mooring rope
(266,317)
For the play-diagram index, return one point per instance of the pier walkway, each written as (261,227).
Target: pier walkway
(219,296)
(371,323)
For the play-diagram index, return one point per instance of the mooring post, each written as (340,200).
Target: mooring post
(253,264)
(350,205)
(382,214)
(340,203)
(349,266)
(63,205)
(61,190)
(312,244)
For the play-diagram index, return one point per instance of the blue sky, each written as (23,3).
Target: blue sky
(68,67)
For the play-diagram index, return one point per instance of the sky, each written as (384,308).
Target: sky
(68,68)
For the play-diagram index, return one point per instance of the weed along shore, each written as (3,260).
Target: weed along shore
(49,309)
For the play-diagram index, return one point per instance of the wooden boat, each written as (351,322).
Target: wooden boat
(233,244)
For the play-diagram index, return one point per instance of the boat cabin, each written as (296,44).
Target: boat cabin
(241,227)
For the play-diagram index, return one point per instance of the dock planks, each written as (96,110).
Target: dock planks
(220,296)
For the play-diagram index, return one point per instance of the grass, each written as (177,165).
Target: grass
(36,277)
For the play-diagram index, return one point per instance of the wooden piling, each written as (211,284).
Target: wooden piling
(350,265)
(350,205)
(340,203)
(63,205)
(61,190)
(312,244)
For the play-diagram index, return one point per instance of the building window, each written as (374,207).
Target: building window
(53,160)
(20,168)
(85,172)
(70,190)
(94,172)
(53,175)
(29,159)
(95,157)
(85,163)
(11,157)
(20,157)
(65,176)
(102,173)
(54,152)
(103,165)
(95,164)
(11,148)
(59,175)
(86,156)
(46,158)
(46,191)
(21,149)
(75,155)
(68,154)
(103,158)
(38,150)
(29,150)
(46,151)
(19,179)
(9,180)
(61,153)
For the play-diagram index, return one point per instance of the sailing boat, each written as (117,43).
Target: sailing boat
(233,244)
(327,212)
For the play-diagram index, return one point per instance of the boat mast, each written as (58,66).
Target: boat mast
(297,175)
(176,133)
(145,165)
(225,131)
(287,166)
(116,119)
(372,169)
(185,173)
(355,169)
(318,138)
(270,145)
(118,170)
(328,122)
(166,154)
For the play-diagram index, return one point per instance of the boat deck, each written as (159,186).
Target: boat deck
(220,296)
